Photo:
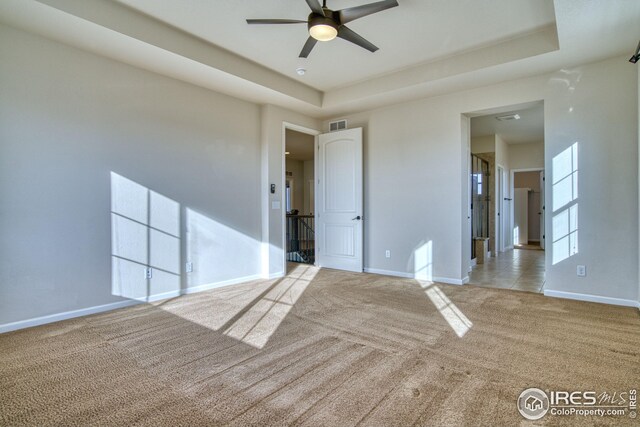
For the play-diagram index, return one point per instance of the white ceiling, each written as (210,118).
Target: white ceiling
(414,32)
(427,47)
(529,128)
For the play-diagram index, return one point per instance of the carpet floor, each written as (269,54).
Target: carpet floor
(319,348)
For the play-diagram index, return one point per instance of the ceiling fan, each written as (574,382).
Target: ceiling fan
(325,24)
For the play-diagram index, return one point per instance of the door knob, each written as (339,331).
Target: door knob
(356,218)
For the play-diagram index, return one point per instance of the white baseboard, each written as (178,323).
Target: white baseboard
(450,281)
(37,321)
(591,298)
(389,273)
(446,280)
(51,318)
(206,287)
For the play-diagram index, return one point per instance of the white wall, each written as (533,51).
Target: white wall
(412,174)
(526,156)
(68,120)
(483,144)
(503,153)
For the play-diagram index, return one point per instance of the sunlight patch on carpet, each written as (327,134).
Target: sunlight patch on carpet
(449,311)
(261,320)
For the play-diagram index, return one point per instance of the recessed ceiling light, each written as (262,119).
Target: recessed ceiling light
(301,71)
(286,152)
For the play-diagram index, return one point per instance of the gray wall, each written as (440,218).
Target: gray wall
(413,170)
(68,120)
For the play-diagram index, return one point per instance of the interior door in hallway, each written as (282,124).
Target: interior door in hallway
(339,200)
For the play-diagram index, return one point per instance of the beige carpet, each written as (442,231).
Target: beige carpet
(319,348)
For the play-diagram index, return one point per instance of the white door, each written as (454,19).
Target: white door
(542,230)
(339,233)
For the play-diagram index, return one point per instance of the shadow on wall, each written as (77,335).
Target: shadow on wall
(565,204)
(146,244)
(147,263)
(218,252)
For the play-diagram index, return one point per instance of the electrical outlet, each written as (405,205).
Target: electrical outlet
(189,267)
(387,253)
(581,270)
(148,273)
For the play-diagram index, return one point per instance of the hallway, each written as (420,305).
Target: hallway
(517,269)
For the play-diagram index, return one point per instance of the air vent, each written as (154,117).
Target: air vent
(508,117)
(337,125)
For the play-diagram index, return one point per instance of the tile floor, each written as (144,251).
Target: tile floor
(518,269)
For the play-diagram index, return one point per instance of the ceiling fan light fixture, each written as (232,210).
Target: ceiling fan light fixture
(326,24)
(322,28)
(323,33)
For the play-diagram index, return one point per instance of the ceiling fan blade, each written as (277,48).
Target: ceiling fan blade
(306,50)
(352,13)
(275,21)
(349,35)
(315,6)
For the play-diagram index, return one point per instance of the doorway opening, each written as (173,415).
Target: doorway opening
(480,206)
(507,198)
(299,195)
(528,209)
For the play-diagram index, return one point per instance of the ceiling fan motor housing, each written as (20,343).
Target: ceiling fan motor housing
(315,19)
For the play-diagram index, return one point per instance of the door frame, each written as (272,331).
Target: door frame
(500,226)
(283,178)
(511,184)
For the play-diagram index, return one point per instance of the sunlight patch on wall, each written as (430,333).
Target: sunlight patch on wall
(145,233)
(565,205)
(423,262)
